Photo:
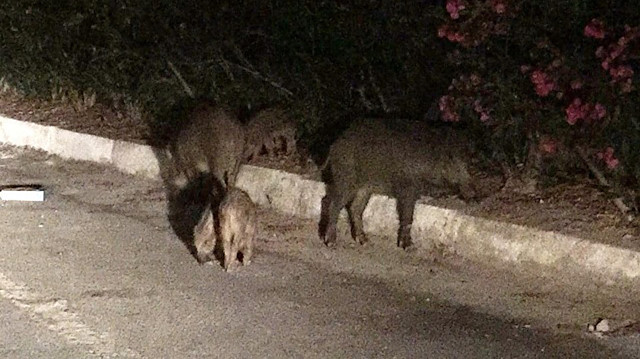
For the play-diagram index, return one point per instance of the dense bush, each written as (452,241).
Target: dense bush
(530,77)
(326,59)
(549,74)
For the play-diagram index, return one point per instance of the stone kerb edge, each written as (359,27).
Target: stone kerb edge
(291,194)
(20,133)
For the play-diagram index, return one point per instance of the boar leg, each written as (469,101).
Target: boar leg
(234,255)
(337,200)
(230,250)
(324,210)
(406,202)
(356,209)
(229,258)
(291,145)
(270,146)
(204,236)
(247,251)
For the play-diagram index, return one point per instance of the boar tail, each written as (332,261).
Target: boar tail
(325,163)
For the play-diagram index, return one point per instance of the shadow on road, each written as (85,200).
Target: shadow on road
(187,204)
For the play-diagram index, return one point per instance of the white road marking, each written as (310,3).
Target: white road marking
(56,315)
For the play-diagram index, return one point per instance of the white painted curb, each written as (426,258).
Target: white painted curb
(468,236)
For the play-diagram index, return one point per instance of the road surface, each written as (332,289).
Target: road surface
(97,270)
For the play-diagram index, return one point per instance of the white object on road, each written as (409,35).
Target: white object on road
(22,193)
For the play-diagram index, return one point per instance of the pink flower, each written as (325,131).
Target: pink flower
(498,6)
(598,111)
(574,111)
(544,89)
(579,111)
(446,104)
(594,29)
(443,30)
(475,79)
(626,86)
(622,41)
(621,72)
(609,159)
(525,68)
(576,84)
(548,145)
(543,83)
(484,113)
(477,107)
(631,33)
(455,37)
(538,77)
(453,8)
(615,51)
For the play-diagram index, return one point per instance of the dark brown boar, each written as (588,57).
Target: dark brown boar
(212,142)
(399,158)
(270,129)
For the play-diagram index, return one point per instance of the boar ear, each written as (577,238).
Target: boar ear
(204,228)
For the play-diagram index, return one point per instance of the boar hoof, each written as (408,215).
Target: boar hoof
(405,244)
(410,249)
(228,265)
(362,239)
(330,244)
(202,257)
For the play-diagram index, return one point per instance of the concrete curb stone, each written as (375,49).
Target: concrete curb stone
(132,158)
(80,146)
(468,236)
(19,133)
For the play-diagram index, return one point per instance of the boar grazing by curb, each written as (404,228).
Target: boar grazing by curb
(233,223)
(212,142)
(270,129)
(237,217)
(394,157)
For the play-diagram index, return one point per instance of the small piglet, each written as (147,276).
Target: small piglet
(236,228)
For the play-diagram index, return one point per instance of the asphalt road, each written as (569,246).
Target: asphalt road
(97,271)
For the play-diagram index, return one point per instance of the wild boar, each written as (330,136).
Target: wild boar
(233,223)
(395,157)
(272,130)
(212,142)
(237,216)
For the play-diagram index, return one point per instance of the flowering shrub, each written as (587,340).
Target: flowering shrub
(546,71)
(594,29)
(454,7)
(543,83)
(607,156)
(588,112)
